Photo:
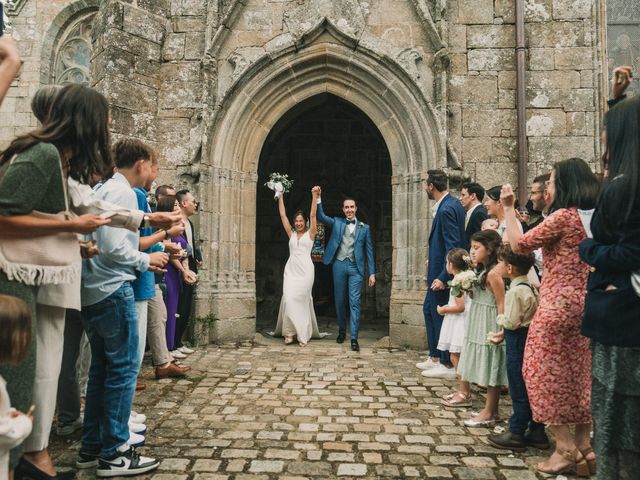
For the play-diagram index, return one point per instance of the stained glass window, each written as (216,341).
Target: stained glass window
(73,59)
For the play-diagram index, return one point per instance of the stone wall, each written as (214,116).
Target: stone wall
(205,81)
(563,81)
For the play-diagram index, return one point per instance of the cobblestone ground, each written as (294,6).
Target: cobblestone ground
(270,411)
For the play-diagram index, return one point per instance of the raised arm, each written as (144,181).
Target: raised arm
(328,221)
(312,213)
(283,215)
(514,231)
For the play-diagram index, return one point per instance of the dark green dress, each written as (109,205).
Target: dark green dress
(32,182)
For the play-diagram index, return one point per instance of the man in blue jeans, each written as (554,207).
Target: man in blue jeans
(111,322)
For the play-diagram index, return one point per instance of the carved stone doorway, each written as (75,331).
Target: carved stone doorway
(327,141)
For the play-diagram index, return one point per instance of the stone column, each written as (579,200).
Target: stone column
(225,300)
(411,222)
(127,54)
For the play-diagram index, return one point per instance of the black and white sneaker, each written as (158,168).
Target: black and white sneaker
(125,464)
(87,460)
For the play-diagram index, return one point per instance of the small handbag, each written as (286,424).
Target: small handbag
(45,259)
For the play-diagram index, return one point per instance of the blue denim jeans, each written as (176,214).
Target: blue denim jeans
(347,283)
(433,323)
(521,419)
(112,328)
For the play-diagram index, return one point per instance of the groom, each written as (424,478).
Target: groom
(350,240)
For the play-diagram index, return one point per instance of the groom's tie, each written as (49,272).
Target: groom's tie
(351,222)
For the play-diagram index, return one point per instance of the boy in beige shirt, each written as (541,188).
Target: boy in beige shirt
(520,304)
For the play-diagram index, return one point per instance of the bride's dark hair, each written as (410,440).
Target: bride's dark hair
(301,214)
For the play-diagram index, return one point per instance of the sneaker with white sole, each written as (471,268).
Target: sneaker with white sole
(135,440)
(427,364)
(87,460)
(186,350)
(440,372)
(178,354)
(125,464)
(65,429)
(139,428)
(136,417)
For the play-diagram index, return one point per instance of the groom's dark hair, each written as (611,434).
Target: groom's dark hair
(439,179)
(349,198)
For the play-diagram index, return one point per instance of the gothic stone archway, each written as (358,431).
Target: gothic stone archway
(325,140)
(259,98)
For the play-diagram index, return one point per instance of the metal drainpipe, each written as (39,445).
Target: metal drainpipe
(521,112)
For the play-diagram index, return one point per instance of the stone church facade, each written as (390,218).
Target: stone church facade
(231,90)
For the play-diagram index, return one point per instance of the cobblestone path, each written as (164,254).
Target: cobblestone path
(276,412)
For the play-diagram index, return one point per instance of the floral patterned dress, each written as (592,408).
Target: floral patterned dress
(557,358)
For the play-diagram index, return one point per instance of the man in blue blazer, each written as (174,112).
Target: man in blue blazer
(447,232)
(348,244)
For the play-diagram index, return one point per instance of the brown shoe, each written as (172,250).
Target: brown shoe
(171,370)
(140,386)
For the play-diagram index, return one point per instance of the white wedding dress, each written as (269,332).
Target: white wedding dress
(296,315)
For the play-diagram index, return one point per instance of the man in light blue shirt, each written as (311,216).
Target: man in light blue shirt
(110,320)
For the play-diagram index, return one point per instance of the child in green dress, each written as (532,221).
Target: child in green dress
(481,362)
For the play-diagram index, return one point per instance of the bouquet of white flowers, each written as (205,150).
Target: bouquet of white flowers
(463,282)
(279,183)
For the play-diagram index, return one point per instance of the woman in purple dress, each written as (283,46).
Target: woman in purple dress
(177,272)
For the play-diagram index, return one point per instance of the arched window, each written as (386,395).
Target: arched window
(73,56)
(623,32)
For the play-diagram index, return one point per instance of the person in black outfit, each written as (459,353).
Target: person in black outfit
(471,196)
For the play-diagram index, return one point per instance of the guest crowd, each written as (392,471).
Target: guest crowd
(539,299)
(84,259)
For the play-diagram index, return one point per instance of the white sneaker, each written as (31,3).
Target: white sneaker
(440,372)
(178,354)
(186,350)
(125,464)
(139,428)
(427,364)
(136,417)
(135,440)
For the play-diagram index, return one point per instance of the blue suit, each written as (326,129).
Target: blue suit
(348,276)
(447,232)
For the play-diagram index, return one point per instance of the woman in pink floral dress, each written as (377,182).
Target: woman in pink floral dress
(557,361)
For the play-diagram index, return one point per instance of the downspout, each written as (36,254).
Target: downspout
(521,112)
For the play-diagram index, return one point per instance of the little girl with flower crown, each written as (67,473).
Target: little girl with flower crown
(454,324)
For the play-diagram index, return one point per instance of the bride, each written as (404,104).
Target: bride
(296,317)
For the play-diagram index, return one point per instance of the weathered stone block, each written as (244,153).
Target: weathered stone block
(174,46)
(414,337)
(548,150)
(541,59)
(537,10)
(194,48)
(555,34)
(486,122)
(546,123)
(572,10)
(493,59)
(574,58)
(491,36)
(133,44)
(505,9)
(475,11)
(141,23)
(576,124)
(457,38)
(189,24)
(180,95)
(479,90)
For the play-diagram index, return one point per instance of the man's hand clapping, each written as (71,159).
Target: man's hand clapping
(620,80)
(507,197)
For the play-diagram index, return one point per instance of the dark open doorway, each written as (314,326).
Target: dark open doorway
(329,142)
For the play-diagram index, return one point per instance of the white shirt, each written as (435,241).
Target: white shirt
(352,226)
(467,216)
(437,204)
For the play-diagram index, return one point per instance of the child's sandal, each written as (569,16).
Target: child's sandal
(450,400)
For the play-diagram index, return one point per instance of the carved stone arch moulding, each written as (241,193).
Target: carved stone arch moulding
(66,48)
(324,60)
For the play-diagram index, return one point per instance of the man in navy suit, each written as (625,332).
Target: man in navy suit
(471,196)
(447,232)
(348,244)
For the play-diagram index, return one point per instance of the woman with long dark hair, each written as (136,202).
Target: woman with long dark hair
(557,358)
(74,141)
(612,311)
